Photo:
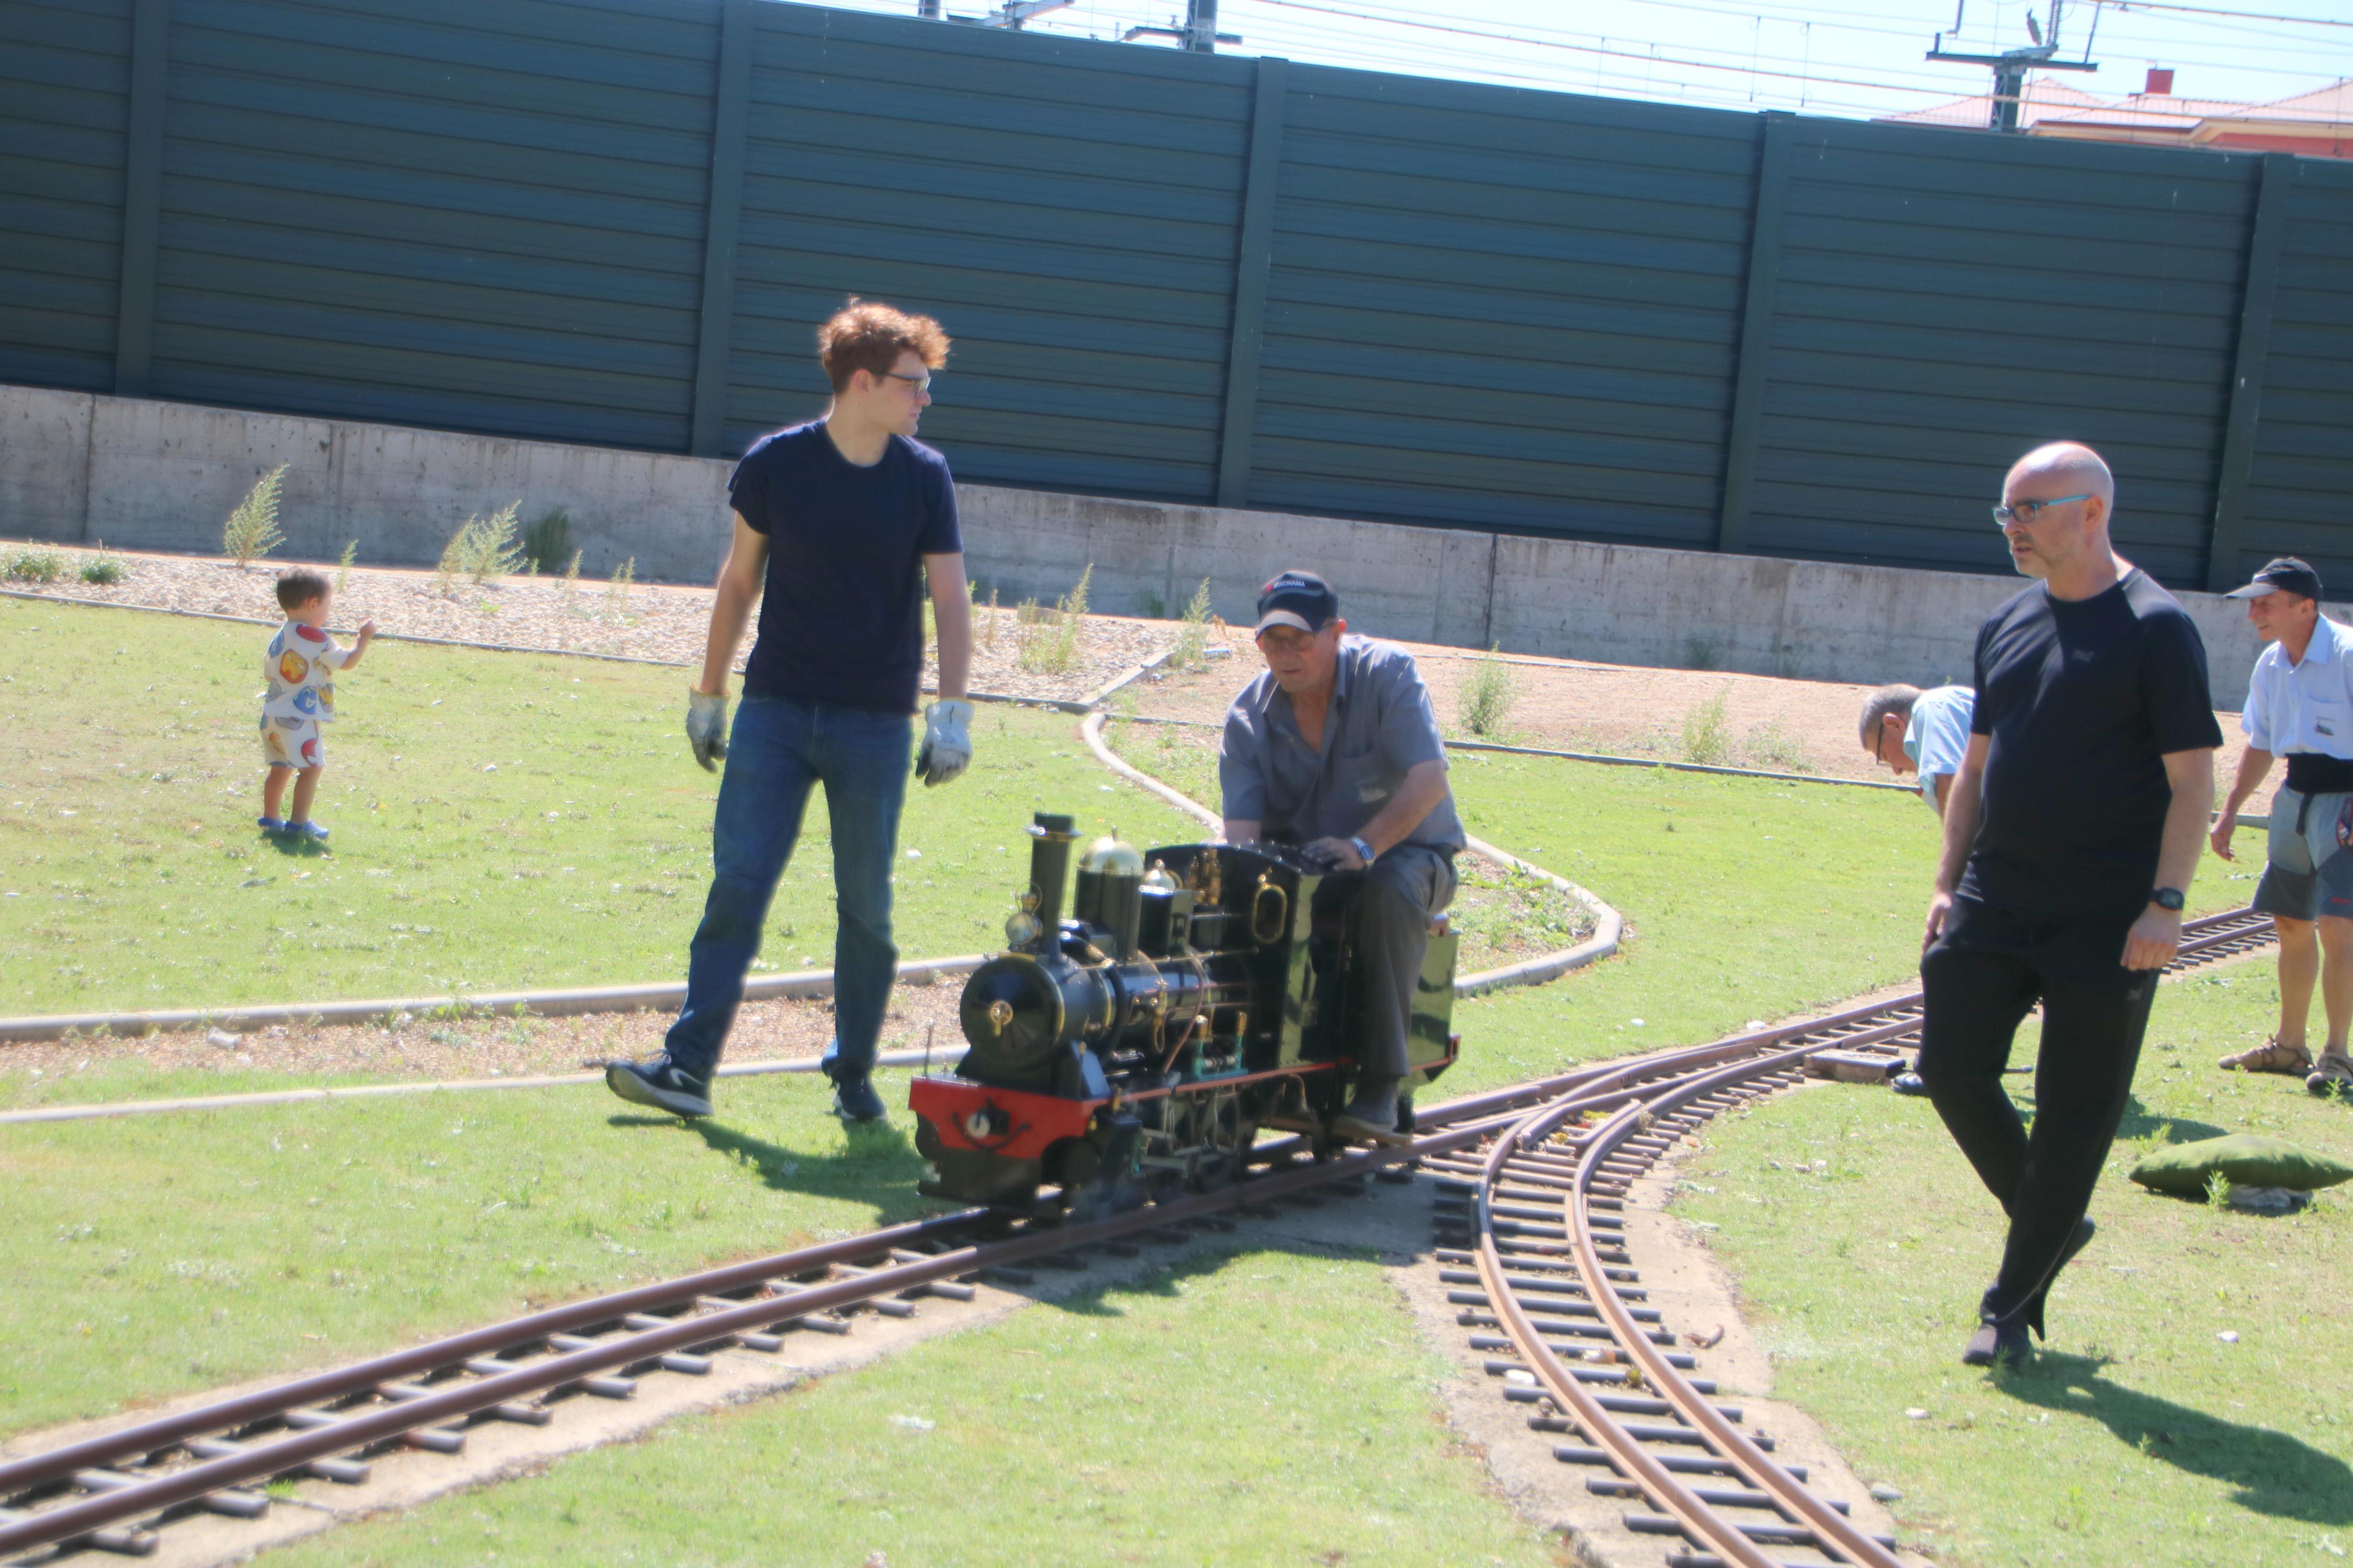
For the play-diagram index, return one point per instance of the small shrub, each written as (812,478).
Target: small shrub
(1192,649)
(1708,739)
(616,592)
(483,549)
(1155,608)
(1056,651)
(1486,697)
(546,538)
(252,531)
(104,569)
(1702,653)
(35,566)
(1771,746)
(343,567)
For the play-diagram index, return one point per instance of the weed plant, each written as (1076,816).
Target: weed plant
(1192,649)
(343,565)
(1486,697)
(990,636)
(104,569)
(1052,647)
(616,592)
(572,584)
(252,531)
(1783,750)
(483,550)
(1707,738)
(40,566)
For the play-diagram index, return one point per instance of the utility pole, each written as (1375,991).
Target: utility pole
(2010,66)
(1199,34)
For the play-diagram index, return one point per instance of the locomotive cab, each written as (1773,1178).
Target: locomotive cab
(1191,994)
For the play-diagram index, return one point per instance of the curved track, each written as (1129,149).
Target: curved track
(1536,1215)
(1543,1180)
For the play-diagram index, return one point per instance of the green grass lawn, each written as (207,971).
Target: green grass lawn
(1264,1408)
(132,875)
(2140,1436)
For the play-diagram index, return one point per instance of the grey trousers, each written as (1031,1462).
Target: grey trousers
(1389,927)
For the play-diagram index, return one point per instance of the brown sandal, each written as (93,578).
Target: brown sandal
(2270,1056)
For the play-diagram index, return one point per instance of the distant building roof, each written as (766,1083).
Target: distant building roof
(2319,124)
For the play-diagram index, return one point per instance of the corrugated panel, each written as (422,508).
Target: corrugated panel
(64,77)
(1068,209)
(1501,309)
(2300,500)
(1949,300)
(440,213)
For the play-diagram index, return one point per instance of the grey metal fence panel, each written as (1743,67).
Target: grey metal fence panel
(65,84)
(1948,301)
(1511,309)
(436,212)
(2300,499)
(1069,209)
(1175,276)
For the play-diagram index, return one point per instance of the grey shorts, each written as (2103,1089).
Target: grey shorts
(2309,873)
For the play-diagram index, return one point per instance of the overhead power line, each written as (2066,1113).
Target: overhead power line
(2233,15)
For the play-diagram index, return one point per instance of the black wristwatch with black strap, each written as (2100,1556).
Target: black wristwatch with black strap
(2167,898)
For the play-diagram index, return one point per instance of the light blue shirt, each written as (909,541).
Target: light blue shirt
(2306,706)
(1938,738)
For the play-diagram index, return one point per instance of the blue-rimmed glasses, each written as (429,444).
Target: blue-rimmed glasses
(2026,512)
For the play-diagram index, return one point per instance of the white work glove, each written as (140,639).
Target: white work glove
(947,745)
(706,727)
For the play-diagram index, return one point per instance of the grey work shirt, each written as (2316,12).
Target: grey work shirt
(1380,723)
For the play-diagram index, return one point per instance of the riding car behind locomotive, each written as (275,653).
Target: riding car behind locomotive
(1136,1045)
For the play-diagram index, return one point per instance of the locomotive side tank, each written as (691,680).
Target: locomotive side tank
(1137,1042)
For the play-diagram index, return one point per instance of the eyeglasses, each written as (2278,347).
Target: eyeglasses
(1285,639)
(2026,512)
(920,383)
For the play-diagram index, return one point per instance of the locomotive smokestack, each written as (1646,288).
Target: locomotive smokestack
(1051,838)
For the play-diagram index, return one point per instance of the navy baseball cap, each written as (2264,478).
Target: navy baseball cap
(1300,599)
(2286,574)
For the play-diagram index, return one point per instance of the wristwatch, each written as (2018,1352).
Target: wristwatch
(1364,850)
(2167,898)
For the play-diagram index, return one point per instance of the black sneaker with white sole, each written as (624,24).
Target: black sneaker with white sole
(661,1084)
(854,1099)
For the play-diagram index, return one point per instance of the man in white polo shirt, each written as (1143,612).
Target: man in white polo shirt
(2300,706)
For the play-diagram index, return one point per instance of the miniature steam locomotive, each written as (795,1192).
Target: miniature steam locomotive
(1135,1047)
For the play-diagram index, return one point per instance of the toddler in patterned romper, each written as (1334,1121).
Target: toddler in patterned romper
(301,700)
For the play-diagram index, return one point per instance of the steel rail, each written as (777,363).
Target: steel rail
(1635,1089)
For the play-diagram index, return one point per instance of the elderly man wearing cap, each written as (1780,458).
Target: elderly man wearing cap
(2300,705)
(1335,748)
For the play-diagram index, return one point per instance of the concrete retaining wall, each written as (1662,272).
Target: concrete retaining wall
(141,475)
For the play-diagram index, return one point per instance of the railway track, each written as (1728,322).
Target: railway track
(1530,1186)
(1530,1229)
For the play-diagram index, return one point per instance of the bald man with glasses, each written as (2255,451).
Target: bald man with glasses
(2071,834)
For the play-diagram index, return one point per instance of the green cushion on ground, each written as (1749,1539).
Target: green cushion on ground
(2250,1159)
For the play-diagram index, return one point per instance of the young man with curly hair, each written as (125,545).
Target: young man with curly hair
(838,525)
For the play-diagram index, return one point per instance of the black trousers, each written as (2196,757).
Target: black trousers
(1980,980)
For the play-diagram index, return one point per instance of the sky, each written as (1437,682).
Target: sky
(1854,59)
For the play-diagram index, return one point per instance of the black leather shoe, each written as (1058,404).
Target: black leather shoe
(854,1099)
(661,1084)
(2001,1343)
(1907,1083)
(1371,1115)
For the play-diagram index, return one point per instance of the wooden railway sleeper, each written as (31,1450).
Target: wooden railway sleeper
(1680,1464)
(126,1541)
(1714,1497)
(523,1412)
(432,1439)
(228,1502)
(1763,1534)
(344,1472)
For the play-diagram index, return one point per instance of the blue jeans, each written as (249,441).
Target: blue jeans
(777,751)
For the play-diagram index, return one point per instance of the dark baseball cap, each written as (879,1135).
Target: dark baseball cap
(1300,599)
(2286,574)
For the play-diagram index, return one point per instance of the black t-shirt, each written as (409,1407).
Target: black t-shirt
(2083,701)
(842,621)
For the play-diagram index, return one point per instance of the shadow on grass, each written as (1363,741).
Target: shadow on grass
(879,1165)
(2275,1474)
(2139,1122)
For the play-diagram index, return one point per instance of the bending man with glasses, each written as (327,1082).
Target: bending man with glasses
(841,524)
(2070,833)
(1336,749)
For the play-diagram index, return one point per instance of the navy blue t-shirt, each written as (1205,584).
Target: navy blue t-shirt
(842,622)
(2083,700)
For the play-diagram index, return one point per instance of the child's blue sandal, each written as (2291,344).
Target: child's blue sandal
(310,830)
(270,825)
